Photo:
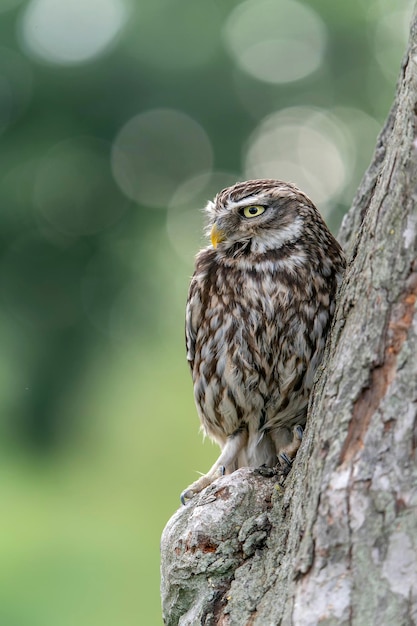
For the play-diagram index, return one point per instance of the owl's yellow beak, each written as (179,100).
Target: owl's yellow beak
(216,235)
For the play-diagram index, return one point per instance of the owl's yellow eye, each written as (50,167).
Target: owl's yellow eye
(253,210)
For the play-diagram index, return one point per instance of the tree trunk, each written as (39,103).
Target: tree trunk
(338,543)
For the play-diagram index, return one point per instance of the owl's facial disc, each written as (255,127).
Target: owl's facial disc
(236,222)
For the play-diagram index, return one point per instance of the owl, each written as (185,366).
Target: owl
(259,309)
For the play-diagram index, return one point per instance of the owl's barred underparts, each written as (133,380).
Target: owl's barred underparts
(258,312)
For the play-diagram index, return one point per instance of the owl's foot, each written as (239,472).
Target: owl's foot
(186,495)
(285,462)
(287,454)
(201,483)
(299,432)
(225,462)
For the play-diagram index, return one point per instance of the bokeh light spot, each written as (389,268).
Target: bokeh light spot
(306,146)
(157,151)
(71,31)
(363,131)
(390,33)
(74,189)
(185,218)
(276,42)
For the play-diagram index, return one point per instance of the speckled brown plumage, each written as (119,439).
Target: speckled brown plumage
(259,308)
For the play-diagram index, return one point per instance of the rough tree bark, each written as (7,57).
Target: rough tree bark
(338,543)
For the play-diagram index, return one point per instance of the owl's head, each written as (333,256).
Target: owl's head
(262,214)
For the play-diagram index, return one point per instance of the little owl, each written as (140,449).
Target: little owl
(259,308)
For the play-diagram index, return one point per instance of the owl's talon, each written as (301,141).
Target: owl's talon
(299,432)
(187,495)
(285,461)
(222,470)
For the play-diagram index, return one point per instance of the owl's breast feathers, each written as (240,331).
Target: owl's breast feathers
(255,332)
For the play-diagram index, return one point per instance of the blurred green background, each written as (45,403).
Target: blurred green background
(119,120)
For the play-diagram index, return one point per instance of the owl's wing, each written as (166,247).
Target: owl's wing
(192,320)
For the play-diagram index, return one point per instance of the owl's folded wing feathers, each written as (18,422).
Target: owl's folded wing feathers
(193,313)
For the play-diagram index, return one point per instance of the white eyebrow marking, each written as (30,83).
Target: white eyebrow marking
(258,199)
